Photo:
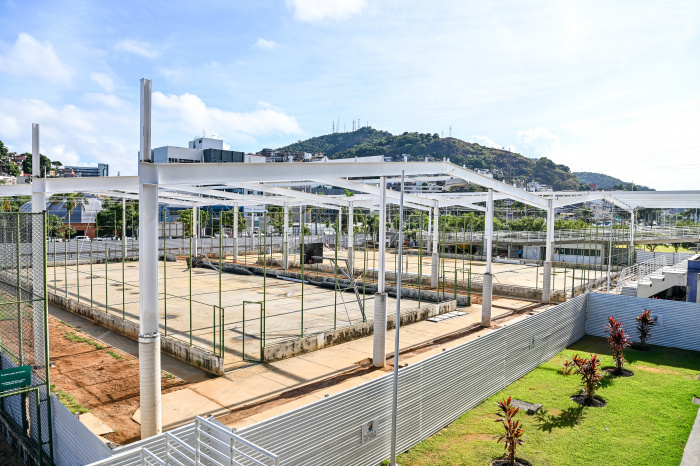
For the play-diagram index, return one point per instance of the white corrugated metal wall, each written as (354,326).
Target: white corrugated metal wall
(680,326)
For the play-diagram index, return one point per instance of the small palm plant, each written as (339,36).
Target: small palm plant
(645,323)
(617,337)
(513,431)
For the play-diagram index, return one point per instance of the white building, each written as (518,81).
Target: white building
(200,150)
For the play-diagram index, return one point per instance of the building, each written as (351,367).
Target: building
(102,169)
(83,218)
(200,150)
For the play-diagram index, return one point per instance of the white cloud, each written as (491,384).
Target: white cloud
(485,141)
(72,134)
(312,11)
(142,49)
(265,44)
(542,141)
(191,115)
(29,57)
(104,80)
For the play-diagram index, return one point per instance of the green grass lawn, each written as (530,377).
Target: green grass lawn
(667,248)
(647,419)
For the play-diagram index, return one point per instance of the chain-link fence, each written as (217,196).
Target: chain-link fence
(24,372)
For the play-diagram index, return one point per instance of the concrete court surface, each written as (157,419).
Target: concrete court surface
(323,308)
(505,274)
(257,382)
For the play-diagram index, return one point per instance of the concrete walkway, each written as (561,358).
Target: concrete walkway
(691,454)
(252,386)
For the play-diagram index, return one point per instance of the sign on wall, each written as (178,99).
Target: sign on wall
(369,431)
(14,378)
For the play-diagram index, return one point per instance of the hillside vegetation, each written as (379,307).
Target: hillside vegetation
(608,182)
(509,166)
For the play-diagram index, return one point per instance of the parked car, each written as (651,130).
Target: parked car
(103,238)
(55,240)
(82,238)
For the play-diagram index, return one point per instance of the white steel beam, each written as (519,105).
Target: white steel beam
(315,198)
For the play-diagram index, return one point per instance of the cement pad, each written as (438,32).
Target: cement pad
(96,426)
(181,406)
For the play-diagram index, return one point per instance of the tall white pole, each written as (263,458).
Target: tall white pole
(549,252)
(149,337)
(395,399)
(435,260)
(633,222)
(487,291)
(285,237)
(195,227)
(351,239)
(38,206)
(235,232)
(379,340)
(612,222)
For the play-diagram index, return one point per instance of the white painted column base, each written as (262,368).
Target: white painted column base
(434,270)
(149,364)
(547,282)
(486,297)
(379,341)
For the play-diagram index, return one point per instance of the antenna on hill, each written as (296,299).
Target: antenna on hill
(450,131)
(353,124)
(333,130)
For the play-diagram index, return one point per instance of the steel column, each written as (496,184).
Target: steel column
(549,251)
(434,257)
(149,337)
(487,291)
(379,340)
(38,205)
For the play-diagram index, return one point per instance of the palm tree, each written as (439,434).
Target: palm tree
(70,201)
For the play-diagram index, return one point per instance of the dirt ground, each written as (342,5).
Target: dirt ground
(105,384)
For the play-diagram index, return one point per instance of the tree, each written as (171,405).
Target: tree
(70,201)
(109,219)
(13,169)
(27,164)
(3,150)
(186,219)
(54,226)
(227,220)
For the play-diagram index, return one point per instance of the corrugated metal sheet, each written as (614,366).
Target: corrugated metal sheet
(74,444)
(433,393)
(642,255)
(674,331)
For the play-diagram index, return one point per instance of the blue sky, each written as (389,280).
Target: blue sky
(600,86)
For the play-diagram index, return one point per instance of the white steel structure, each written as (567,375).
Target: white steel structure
(269,184)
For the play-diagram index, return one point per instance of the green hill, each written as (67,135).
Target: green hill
(509,166)
(608,182)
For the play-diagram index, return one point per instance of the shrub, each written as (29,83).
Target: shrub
(513,431)
(644,326)
(567,365)
(617,337)
(589,370)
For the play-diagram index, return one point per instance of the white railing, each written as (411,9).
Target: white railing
(637,272)
(212,444)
